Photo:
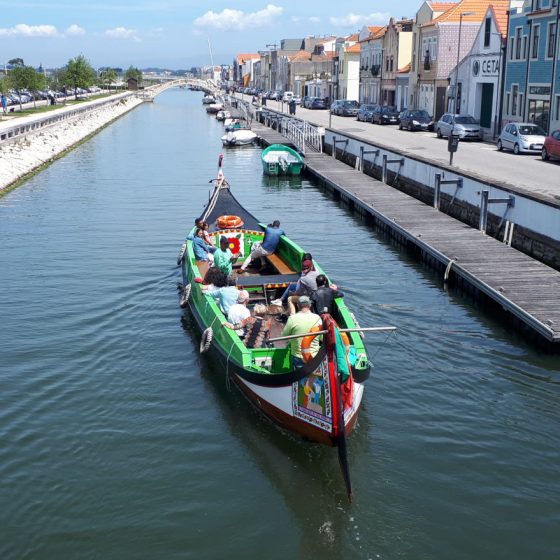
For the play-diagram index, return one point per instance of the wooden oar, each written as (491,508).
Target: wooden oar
(361,329)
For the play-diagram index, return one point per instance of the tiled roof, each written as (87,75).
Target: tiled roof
(374,28)
(241,58)
(380,33)
(478,7)
(354,48)
(442,6)
(353,37)
(501,16)
(301,56)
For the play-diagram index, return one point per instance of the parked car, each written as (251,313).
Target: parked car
(522,138)
(296,99)
(318,103)
(303,102)
(287,97)
(416,119)
(386,115)
(365,112)
(345,108)
(466,127)
(551,148)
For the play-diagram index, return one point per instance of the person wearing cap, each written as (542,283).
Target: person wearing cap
(301,323)
(272,235)
(323,297)
(225,296)
(239,311)
(306,285)
(256,327)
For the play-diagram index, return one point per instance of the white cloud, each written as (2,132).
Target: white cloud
(314,19)
(296,19)
(237,20)
(122,33)
(75,30)
(357,20)
(24,30)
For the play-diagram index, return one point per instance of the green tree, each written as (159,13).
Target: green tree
(133,73)
(78,74)
(16,62)
(107,77)
(26,78)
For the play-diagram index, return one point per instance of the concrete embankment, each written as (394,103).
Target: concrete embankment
(24,154)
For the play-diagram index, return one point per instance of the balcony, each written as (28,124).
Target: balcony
(375,69)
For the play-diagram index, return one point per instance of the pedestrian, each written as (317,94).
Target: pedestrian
(4,104)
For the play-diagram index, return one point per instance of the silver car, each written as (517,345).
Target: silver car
(522,138)
(466,127)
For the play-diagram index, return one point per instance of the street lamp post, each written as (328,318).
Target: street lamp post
(461,15)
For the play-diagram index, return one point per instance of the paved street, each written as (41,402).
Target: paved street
(524,172)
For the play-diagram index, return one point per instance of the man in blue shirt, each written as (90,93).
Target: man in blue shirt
(272,235)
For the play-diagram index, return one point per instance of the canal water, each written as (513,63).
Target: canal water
(119,441)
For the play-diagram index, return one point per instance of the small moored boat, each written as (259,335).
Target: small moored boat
(238,137)
(319,400)
(223,115)
(214,108)
(278,159)
(208,99)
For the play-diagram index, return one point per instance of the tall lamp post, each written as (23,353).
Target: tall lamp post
(451,151)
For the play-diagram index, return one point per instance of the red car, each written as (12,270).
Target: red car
(551,148)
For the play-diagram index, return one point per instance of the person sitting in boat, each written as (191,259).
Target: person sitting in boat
(323,297)
(202,251)
(225,296)
(256,327)
(306,285)
(301,323)
(214,278)
(223,257)
(272,235)
(197,224)
(239,311)
(281,301)
(206,234)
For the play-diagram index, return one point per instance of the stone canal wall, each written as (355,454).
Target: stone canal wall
(29,143)
(535,219)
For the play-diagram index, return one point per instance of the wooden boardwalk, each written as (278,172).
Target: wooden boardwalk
(526,288)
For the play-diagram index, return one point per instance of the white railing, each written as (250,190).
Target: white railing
(303,135)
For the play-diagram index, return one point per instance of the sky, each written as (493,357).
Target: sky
(173,33)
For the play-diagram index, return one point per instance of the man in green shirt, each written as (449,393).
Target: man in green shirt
(301,323)
(223,258)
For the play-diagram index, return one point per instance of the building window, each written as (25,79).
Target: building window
(536,6)
(520,104)
(551,39)
(535,44)
(524,51)
(487,30)
(508,102)
(514,90)
(557,107)
(518,43)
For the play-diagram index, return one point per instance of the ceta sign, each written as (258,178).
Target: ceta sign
(486,67)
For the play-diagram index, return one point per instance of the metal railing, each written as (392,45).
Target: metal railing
(303,135)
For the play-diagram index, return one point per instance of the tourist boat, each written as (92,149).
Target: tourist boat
(278,159)
(208,99)
(312,401)
(238,137)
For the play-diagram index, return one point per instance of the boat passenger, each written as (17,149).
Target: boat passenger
(300,323)
(202,251)
(256,327)
(197,224)
(214,278)
(323,297)
(207,237)
(239,311)
(283,299)
(223,257)
(272,235)
(305,286)
(225,296)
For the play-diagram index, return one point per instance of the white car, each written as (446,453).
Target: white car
(287,97)
(522,138)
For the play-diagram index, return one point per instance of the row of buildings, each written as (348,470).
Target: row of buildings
(497,60)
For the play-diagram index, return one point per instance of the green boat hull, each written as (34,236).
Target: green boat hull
(278,159)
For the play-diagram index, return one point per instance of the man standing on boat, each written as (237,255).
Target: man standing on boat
(272,235)
(301,323)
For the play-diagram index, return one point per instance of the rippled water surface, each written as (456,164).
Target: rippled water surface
(119,441)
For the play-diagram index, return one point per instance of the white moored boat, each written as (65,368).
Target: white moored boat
(239,137)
